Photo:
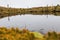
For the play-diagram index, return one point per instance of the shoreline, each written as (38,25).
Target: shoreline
(7,11)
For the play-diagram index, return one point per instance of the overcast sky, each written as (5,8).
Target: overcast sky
(28,3)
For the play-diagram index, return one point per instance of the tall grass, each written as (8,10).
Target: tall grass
(24,34)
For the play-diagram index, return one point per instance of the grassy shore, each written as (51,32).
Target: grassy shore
(24,34)
(17,34)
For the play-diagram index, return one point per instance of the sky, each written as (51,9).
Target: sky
(28,3)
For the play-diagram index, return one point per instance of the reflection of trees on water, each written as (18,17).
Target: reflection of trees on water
(8,19)
(47,14)
(56,13)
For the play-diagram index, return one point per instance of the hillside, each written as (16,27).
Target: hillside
(25,34)
(4,11)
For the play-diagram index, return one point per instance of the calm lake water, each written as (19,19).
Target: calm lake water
(42,23)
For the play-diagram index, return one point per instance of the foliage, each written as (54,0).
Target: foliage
(16,34)
(24,34)
(52,36)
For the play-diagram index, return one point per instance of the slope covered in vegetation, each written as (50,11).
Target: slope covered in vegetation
(24,34)
(8,11)
(17,34)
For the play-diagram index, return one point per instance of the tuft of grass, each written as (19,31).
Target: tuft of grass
(17,34)
(24,34)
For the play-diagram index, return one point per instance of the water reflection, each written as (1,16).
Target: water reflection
(8,19)
(33,22)
(57,14)
(36,22)
(38,13)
